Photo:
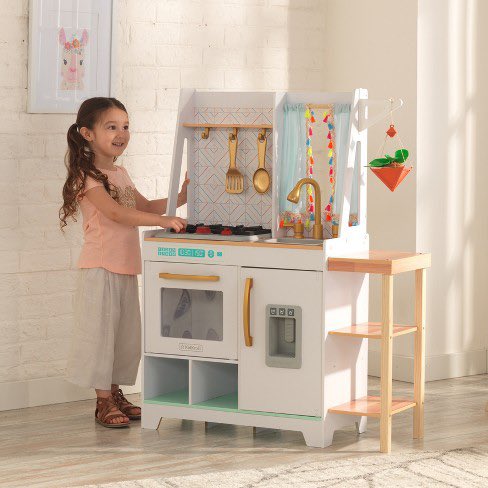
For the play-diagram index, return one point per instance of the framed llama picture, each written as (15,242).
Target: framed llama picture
(70,53)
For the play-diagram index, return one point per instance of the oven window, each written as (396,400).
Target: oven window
(192,314)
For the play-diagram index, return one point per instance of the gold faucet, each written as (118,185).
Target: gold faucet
(294,196)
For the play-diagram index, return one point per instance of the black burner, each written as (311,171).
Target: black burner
(238,230)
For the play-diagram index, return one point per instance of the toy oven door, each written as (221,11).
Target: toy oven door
(190,310)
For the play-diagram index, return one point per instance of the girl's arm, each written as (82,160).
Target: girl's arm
(159,206)
(99,197)
(151,206)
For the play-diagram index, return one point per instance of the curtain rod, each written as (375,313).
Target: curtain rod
(318,105)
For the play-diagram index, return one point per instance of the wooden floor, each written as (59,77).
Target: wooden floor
(60,445)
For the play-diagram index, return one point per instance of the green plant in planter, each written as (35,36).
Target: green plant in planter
(400,157)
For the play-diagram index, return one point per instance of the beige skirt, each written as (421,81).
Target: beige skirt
(106,347)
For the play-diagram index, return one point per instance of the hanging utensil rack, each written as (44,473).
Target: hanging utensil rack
(206,127)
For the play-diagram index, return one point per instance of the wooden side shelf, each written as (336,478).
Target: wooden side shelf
(380,262)
(370,406)
(372,330)
(387,264)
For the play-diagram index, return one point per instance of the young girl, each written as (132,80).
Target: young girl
(107,337)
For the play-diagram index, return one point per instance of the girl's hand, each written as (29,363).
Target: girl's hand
(183,195)
(175,223)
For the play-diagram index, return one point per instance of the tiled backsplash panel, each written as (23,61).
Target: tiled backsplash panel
(212,203)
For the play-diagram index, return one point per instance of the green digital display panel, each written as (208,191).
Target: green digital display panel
(187,252)
(191,253)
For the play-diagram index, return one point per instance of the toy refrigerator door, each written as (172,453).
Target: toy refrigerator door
(292,383)
(190,309)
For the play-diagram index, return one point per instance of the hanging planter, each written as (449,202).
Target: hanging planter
(391,176)
(391,170)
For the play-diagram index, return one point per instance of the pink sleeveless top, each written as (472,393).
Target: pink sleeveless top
(108,244)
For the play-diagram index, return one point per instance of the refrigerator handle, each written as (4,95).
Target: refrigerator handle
(247,312)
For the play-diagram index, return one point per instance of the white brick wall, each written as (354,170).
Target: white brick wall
(162,45)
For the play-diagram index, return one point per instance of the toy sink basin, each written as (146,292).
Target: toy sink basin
(292,240)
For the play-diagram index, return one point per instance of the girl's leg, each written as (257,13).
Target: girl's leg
(127,353)
(90,362)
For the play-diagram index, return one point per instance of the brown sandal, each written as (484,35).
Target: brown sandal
(124,405)
(108,410)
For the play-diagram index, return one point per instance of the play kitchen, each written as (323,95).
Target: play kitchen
(239,308)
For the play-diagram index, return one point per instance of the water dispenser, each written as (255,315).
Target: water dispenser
(283,336)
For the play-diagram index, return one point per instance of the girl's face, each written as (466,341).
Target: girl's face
(110,135)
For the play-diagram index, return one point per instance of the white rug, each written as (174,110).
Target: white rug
(454,468)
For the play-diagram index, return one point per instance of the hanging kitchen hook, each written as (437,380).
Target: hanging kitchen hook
(262,135)
(389,105)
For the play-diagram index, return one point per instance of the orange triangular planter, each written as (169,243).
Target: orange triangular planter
(391,177)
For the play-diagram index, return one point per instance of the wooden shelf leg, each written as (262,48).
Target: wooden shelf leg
(386,362)
(419,354)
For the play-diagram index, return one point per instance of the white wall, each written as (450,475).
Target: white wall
(451,181)
(431,54)
(162,45)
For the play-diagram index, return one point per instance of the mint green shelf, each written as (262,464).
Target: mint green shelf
(224,403)
(175,398)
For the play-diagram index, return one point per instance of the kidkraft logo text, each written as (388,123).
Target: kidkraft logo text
(190,347)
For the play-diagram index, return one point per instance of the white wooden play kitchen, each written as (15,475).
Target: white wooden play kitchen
(257,315)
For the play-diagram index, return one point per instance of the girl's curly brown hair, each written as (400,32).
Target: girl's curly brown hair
(79,159)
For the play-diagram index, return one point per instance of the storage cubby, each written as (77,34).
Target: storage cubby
(166,380)
(213,385)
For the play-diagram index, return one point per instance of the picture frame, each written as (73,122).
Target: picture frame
(71,53)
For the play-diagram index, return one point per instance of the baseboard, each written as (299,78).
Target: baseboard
(440,367)
(47,391)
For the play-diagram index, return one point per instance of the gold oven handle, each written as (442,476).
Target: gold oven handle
(247,312)
(173,276)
